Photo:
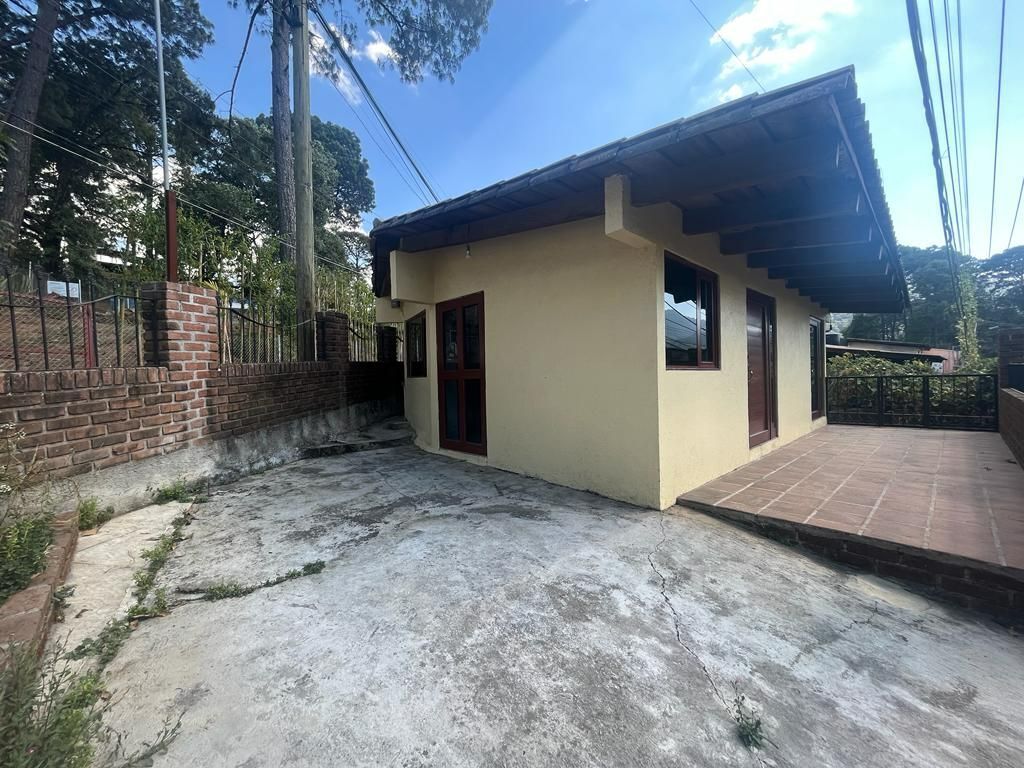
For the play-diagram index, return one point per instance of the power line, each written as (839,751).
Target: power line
(957,231)
(995,156)
(917,42)
(373,101)
(963,126)
(1015,214)
(387,156)
(726,43)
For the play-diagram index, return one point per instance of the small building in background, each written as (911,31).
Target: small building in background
(941,359)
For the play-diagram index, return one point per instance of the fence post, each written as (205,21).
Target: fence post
(926,406)
(880,389)
(334,336)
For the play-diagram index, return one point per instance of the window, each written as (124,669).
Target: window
(691,315)
(817,367)
(416,346)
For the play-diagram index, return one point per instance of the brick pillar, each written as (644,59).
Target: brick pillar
(1011,350)
(387,344)
(184,340)
(333,336)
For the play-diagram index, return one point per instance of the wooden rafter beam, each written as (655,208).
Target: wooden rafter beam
(869,308)
(839,284)
(580,205)
(802,257)
(808,156)
(822,201)
(839,269)
(846,230)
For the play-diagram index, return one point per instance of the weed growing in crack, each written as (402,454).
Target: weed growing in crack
(105,645)
(156,557)
(749,725)
(176,491)
(91,516)
(229,589)
(60,601)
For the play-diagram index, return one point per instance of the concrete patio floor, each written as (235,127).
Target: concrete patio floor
(959,493)
(470,617)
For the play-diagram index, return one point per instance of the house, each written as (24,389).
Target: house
(641,318)
(941,359)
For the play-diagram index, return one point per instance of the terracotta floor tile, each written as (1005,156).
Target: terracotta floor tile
(953,477)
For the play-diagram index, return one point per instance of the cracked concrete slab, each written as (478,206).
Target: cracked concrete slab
(471,617)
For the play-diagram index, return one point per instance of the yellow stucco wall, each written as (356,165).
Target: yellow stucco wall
(576,386)
(570,394)
(704,427)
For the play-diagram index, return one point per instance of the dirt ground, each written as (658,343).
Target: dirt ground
(471,617)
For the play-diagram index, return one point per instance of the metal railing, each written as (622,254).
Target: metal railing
(251,334)
(49,324)
(957,401)
(370,342)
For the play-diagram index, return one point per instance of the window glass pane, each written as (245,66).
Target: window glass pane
(450,340)
(680,313)
(708,353)
(416,345)
(451,409)
(815,366)
(471,337)
(474,412)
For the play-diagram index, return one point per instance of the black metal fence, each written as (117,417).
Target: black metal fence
(958,401)
(370,342)
(51,324)
(253,334)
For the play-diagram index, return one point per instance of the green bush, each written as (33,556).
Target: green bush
(49,717)
(91,516)
(23,546)
(176,491)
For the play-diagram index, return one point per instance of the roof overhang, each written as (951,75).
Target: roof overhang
(787,178)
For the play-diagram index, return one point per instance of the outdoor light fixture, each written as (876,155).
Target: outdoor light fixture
(468,252)
(396,303)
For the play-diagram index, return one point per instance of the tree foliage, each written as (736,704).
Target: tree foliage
(993,296)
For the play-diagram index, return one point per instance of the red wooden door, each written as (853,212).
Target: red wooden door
(761,368)
(460,374)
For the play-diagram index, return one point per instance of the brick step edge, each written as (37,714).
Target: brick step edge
(25,616)
(337,449)
(993,590)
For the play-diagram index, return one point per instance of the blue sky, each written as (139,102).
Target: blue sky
(557,77)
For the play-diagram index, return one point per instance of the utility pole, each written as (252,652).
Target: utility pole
(170,202)
(301,133)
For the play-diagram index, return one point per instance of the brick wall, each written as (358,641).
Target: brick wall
(77,421)
(1011,421)
(1011,402)
(1011,350)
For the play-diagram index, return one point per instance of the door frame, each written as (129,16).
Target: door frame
(769,324)
(443,375)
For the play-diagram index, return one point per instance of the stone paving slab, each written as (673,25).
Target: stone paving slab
(468,617)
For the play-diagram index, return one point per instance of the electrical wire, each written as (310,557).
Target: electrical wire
(726,43)
(113,169)
(392,134)
(387,156)
(999,100)
(917,42)
(957,230)
(963,127)
(1016,213)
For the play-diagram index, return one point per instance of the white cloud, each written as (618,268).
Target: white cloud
(731,93)
(776,35)
(322,63)
(378,50)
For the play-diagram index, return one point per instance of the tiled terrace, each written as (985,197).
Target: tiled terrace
(959,493)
